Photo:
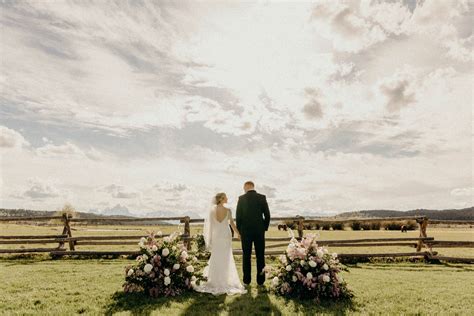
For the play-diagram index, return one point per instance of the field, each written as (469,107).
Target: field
(39,285)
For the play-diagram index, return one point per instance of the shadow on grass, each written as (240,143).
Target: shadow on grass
(249,304)
(341,307)
(140,304)
(259,303)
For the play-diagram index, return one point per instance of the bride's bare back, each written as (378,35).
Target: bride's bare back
(221,212)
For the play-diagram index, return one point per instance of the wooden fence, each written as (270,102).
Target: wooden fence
(423,241)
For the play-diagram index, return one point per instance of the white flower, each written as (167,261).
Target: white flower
(190,269)
(165,252)
(145,257)
(309,275)
(320,253)
(339,278)
(167,280)
(154,248)
(147,268)
(159,233)
(184,254)
(326,278)
(195,259)
(166,239)
(283,259)
(302,262)
(166,272)
(325,267)
(193,284)
(130,272)
(294,278)
(176,266)
(193,278)
(143,240)
(288,268)
(325,250)
(334,255)
(275,281)
(311,263)
(174,248)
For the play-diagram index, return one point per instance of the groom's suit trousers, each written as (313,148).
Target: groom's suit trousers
(258,240)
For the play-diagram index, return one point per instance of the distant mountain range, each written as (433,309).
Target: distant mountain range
(122,211)
(465,214)
(116,211)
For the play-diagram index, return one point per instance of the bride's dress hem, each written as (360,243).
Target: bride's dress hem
(217,291)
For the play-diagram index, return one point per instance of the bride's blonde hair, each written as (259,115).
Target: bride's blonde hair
(219,198)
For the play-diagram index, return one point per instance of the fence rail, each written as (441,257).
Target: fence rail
(423,241)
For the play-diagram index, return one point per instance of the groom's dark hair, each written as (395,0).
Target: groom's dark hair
(250,184)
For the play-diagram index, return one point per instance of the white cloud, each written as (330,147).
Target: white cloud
(39,189)
(10,138)
(66,150)
(463,192)
(398,91)
(344,25)
(120,192)
(326,106)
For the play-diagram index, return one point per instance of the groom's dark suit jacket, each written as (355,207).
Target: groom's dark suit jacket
(253,214)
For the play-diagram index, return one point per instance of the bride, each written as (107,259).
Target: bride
(222,277)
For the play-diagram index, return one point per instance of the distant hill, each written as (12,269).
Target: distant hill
(26,213)
(465,214)
(122,212)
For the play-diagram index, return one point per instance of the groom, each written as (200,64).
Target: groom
(253,218)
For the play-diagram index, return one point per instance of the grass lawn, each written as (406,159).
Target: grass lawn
(39,285)
(65,287)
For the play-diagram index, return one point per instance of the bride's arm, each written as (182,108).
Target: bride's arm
(232,224)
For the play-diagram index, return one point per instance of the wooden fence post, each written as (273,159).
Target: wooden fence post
(423,222)
(300,226)
(67,231)
(187,232)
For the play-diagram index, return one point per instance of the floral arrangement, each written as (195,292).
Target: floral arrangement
(307,271)
(164,268)
(202,252)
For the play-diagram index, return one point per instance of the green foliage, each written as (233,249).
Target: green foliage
(356,226)
(326,226)
(337,226)
(375,225)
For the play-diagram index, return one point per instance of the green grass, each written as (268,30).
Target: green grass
(39,285)
(65,287)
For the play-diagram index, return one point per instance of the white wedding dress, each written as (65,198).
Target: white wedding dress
(222,277)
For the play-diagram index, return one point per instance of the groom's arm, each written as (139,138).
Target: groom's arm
(266,213)
(238,215)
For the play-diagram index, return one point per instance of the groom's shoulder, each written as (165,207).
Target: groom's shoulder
(262,196)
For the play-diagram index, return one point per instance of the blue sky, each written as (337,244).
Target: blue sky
(326,105)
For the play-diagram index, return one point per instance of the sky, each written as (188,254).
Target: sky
(327,106)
